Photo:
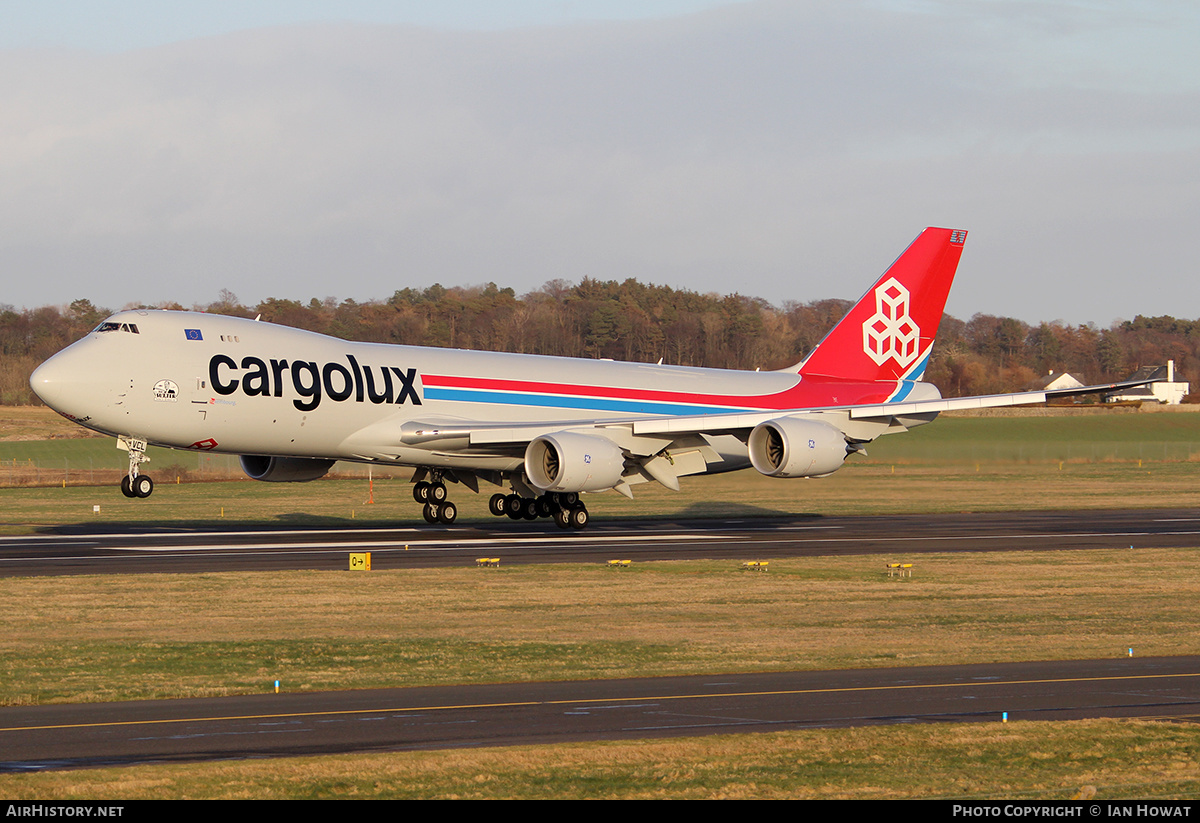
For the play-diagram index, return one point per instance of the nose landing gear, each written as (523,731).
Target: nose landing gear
(135,484)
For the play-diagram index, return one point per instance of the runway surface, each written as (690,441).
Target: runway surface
(56,737)
(129,550)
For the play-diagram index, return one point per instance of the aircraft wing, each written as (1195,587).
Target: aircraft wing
(987,401)
(666,448)
(874,412)
(487,434)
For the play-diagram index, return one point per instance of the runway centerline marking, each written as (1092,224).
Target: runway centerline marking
(426,545)
(281,549)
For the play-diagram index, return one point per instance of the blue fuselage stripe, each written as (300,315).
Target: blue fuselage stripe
(909,381)
(569,402)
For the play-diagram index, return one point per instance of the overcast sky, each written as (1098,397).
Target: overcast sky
(787,150)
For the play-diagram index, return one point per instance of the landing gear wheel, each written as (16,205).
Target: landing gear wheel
(568,500)
(142,486)
(546,506)
(430,513)
(514,506)
(126,489)
(496,504)
(447,512)
(562,519)
(421,492)
(437,492)
(529,508)
(579,517)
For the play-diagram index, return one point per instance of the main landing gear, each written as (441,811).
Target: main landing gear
(564,507)
(437,508)
(135,484)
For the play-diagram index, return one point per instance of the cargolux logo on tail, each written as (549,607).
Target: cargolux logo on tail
(890,334)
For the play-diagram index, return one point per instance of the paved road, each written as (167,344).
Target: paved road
(129,550)
(50,737)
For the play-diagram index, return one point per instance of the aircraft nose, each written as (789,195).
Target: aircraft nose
(62,381)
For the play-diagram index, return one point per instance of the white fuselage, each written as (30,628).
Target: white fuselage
(198,381)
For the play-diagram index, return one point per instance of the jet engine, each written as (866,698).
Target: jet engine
(284,469)
(796,447)
(573,462)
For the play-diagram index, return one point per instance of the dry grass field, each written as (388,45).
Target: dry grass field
(1097,760)
(118,637)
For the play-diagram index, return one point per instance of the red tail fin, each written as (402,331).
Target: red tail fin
(890,331)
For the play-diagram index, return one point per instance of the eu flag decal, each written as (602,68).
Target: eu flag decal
(193,334)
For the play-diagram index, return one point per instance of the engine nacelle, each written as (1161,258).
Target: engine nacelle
(284,469)
(797,447)
(572,462)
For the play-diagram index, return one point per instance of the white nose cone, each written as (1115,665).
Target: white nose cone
(64,382)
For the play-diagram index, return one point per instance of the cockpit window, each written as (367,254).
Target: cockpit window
(126,327)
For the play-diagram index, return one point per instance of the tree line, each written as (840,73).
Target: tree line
(645,323)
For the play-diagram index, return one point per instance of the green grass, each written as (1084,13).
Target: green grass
(1036,435)
(949,439)
(81,455)
(1177,424)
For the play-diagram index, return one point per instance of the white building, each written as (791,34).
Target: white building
(1057,380)
(1163,390)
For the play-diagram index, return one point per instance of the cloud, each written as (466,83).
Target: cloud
(781,150)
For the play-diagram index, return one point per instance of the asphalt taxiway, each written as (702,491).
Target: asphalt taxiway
(73,736)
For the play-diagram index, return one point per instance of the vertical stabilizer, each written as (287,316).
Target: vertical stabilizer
(889,332)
